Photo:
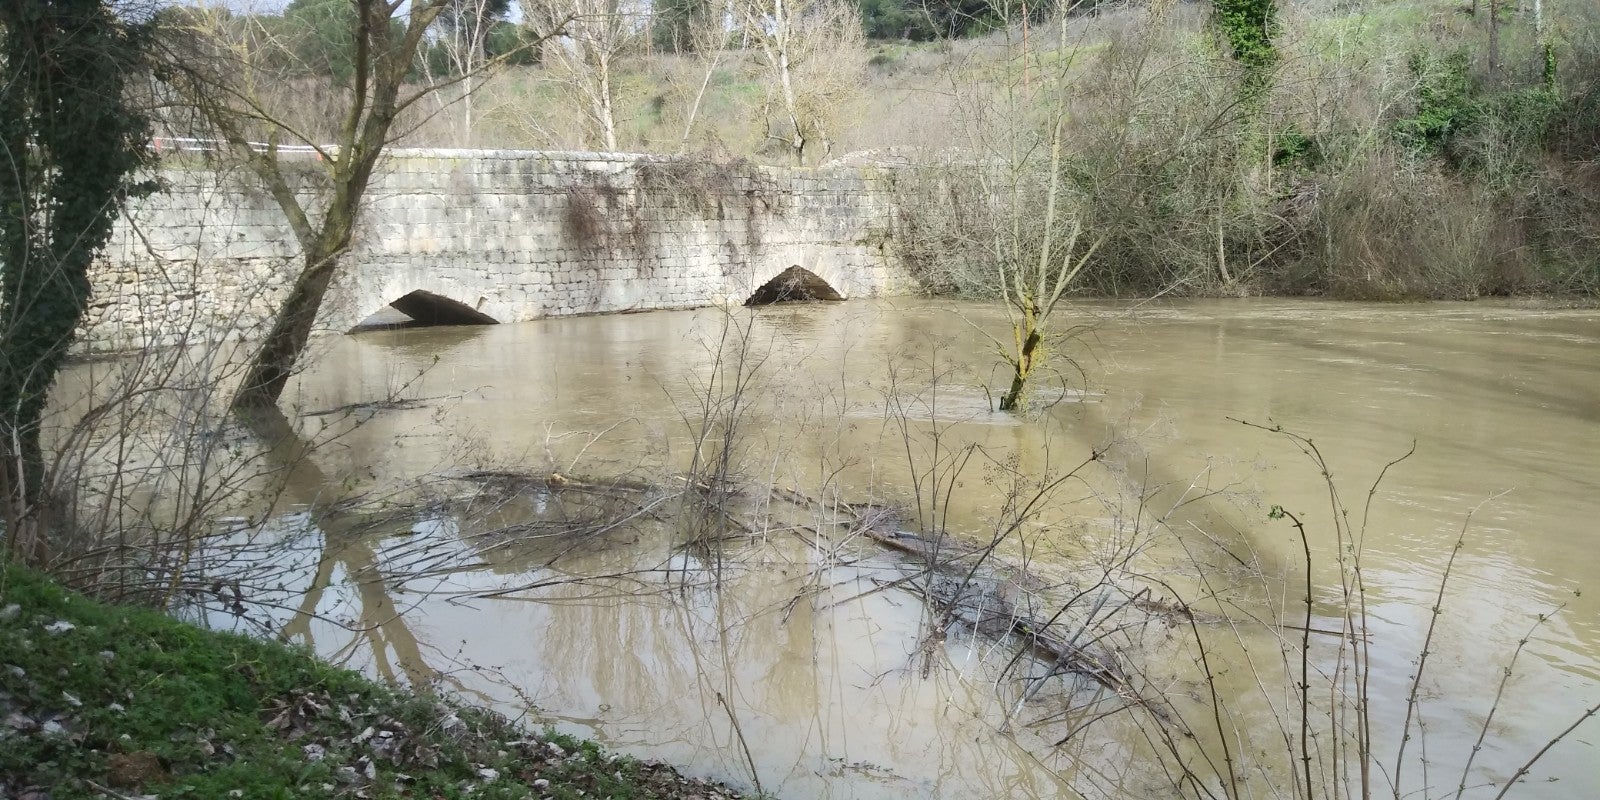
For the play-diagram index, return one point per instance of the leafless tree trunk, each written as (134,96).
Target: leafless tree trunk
(591,36)
(812,58)
(709,35)
(1032,290)
(464,45)
(219,73)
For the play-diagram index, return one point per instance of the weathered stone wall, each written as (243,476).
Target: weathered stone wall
(512,235)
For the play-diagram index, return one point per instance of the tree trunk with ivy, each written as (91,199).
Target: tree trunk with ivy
(71,145)
(1030,341)
(1249,26)
(1032,290)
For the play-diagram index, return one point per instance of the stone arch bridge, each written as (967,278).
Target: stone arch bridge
(478,236)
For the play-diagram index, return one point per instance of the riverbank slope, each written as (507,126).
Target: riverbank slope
(101,701)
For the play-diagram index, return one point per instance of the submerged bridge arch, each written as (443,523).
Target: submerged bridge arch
(427,292)
(427,308)
(482,236)
(792,285)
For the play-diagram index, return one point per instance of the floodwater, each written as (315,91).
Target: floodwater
(788,655)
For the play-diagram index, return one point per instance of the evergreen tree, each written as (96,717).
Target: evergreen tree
(71,144)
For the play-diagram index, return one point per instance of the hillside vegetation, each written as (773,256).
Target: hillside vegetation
(1394,150)
(1373,150)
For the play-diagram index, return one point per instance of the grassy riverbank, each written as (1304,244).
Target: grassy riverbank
(103,702)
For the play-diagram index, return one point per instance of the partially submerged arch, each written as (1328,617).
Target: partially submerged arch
(794,284)
(428,309)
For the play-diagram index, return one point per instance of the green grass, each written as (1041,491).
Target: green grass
(100,701)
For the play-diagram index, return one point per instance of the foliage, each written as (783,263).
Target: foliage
(918,21)
(896,19)
(672,23)
(1493,134)
(471,32)
(322,38)
(1349,168)
(1249,27)
(512,44)
(1295,148)
(72,144)
(91,690)
(318,36)
(1445,101)
(468,15)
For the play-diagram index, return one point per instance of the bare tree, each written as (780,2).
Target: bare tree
(813,60)
(1033,288)
(224,76)
(708,34)
(464,40)
(1121,167)
(1002,219)
(594,35)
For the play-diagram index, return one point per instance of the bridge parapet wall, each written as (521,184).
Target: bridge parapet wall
(514,235)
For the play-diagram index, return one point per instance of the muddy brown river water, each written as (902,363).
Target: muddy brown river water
(785,667)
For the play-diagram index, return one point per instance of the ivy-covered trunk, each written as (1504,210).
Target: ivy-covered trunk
(70,143)
(1030,352)
(1249,26)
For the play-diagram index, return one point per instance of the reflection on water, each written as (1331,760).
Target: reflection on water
(778,656)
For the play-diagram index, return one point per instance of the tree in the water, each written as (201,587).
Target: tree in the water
(1005,220)
(1032,287)
(220,71)
(71,144)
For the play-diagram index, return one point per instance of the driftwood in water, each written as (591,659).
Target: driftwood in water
(970,585)
(554,482)
(987,602)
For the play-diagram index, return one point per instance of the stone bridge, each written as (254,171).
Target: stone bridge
(476,236)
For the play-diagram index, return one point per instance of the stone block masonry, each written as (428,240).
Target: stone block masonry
(495,235)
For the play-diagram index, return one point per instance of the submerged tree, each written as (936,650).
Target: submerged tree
(223,86)
(1032,289)
(72,143)
(1005,219)
(220,73)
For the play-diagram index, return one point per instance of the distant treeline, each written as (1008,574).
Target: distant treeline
(313,35)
